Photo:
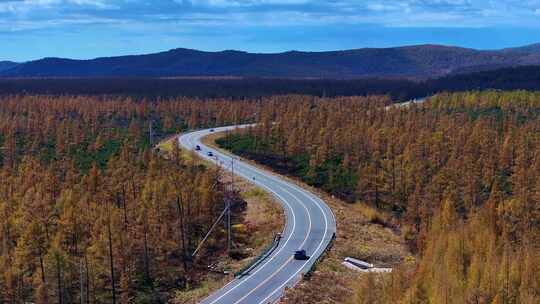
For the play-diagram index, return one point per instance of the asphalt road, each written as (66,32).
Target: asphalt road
(310,225)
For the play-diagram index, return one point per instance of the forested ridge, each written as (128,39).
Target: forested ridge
(459,175)
(415,62)
(90,213)
(512,78)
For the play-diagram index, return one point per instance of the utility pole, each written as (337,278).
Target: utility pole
(151,133)
(81,280)
(228,136)
(229,236)
(228,223)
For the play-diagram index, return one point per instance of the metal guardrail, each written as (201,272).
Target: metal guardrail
(266,252)
(310,272)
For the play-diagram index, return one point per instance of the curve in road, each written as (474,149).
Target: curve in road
(310,226)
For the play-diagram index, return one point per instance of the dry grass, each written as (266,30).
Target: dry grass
(167,145)
(264,217)
(211,283)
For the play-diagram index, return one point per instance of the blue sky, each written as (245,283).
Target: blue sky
(31,29)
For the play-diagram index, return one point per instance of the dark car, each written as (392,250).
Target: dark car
(211,130)
(210,153)
(197,148)
(300,255)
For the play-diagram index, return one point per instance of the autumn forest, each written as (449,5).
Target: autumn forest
(459,176)
(91,212)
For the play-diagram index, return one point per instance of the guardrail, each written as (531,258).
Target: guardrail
(309,273)
(266,252)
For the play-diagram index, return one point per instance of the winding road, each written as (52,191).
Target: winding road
(310,225)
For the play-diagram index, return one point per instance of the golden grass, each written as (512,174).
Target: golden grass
(193,296)
(167,145)
(371,214)
(255,192)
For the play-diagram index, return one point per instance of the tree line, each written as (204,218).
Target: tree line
(511,78)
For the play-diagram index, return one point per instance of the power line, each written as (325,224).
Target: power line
(229,235)
(151,133)
(209,232)
(226,212)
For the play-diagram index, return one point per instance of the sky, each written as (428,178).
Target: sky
(83,29)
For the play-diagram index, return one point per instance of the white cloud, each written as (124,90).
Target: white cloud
(391,13)
(248,2)
(28,5)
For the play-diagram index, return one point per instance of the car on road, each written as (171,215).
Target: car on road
(210,153)
(211,130)
(301,255)
(197,148)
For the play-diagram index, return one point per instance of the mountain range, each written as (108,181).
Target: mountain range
(6,65)
(413,62)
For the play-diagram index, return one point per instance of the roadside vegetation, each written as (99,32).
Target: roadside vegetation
(456,177)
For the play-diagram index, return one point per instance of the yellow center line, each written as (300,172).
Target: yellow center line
(266,280)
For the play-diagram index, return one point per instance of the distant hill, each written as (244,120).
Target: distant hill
(6,65)
(415,62)
(533,48)
(524,77)
(514,78)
